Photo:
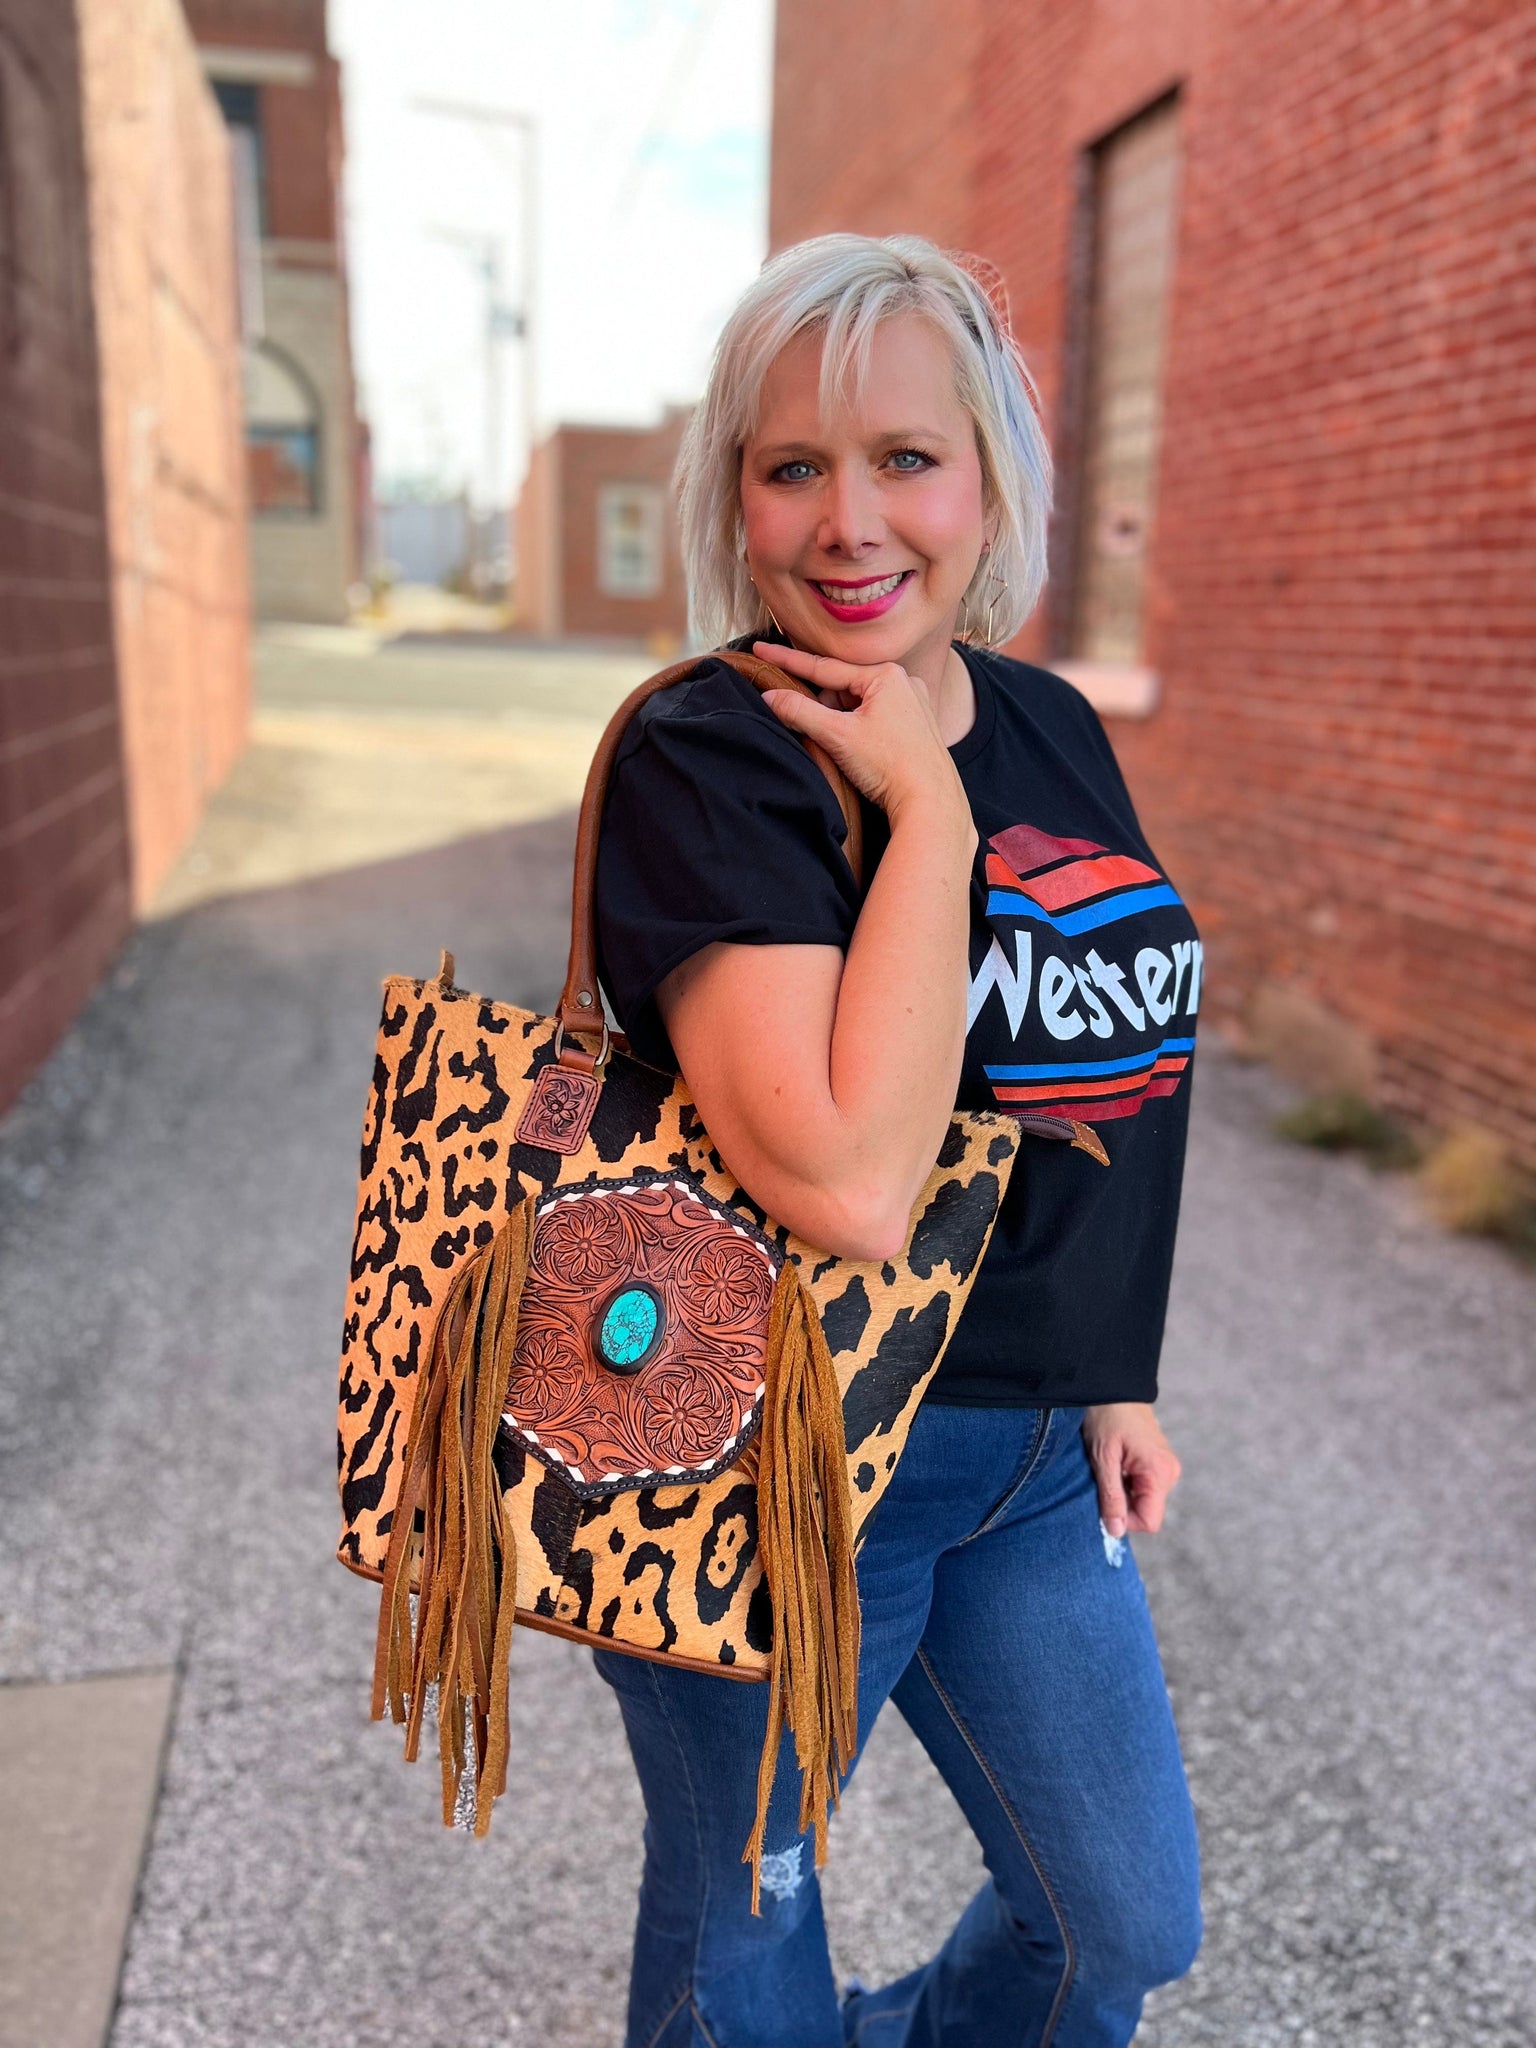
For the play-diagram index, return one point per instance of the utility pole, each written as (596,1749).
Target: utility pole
(503,321)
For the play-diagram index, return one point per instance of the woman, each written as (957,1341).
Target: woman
(864,479)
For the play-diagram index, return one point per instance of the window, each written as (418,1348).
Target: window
(629,540)
(1134,188)
(240,105)
(282,434)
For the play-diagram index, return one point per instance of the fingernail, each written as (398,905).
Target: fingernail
(1116,1525)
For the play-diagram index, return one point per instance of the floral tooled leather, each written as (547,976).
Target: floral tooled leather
(667,1567)
(688,1411)
(559,1110)
(694,1401)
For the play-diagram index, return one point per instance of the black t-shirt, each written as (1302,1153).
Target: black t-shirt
(1085,979)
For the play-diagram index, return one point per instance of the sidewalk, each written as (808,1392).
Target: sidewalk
(1344,1591)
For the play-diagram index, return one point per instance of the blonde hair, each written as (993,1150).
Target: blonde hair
(844,286)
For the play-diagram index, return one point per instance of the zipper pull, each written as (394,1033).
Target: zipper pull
(1067,1130)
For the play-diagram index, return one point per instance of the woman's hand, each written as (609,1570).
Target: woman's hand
(828,1079)
(1133,1463)
(879,728)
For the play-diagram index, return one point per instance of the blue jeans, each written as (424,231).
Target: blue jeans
(1014,1637)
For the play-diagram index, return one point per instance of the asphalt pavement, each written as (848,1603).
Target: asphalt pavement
(1344,1590)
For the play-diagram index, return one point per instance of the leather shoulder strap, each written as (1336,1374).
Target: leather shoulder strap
(580,1009)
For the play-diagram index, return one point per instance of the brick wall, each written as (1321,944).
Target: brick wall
(122,650)
(303,561)
(163,257)
(536,590)
(557,527)
(897,83)
(301,121)
(302,198)
(1342,769)
(590,458)
(260,24)
(64,897)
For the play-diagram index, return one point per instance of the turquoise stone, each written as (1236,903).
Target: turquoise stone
(629,1328)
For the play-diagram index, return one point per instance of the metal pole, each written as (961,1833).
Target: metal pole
(485,252)
(530,288)
(492,378)
(528,129)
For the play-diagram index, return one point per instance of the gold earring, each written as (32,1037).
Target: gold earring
(996,587)
(768,608)
(1000,591)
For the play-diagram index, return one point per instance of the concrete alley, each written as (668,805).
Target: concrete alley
(1344,1590)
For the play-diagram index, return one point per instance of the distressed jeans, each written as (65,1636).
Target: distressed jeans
(1013,1636)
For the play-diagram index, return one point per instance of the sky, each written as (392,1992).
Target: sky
(652,155)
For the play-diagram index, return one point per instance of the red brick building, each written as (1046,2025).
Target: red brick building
(597,547)
(280,91)
(1274,267)
(123,662)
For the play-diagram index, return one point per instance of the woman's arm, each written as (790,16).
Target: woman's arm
(827,1081)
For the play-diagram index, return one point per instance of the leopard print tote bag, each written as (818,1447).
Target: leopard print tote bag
(588,1385)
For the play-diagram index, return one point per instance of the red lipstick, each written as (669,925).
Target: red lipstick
(870,608)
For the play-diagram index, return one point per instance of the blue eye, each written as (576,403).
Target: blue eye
(782,473)
(909,461)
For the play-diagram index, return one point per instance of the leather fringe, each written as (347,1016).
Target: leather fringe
(463,1559)
(805,1529)
(462,1563)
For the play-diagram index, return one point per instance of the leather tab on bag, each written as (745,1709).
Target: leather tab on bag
(577,1058)
(579,1017)
(559,1110)
(1067,1129)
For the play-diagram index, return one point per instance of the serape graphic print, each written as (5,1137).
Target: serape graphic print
(1096,969)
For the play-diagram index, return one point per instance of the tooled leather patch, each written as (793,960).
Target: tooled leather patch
(642,1336)
(559,1110)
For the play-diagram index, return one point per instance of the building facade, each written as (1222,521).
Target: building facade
(597,545)
(123,653)
(280,91)
(1272,269)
